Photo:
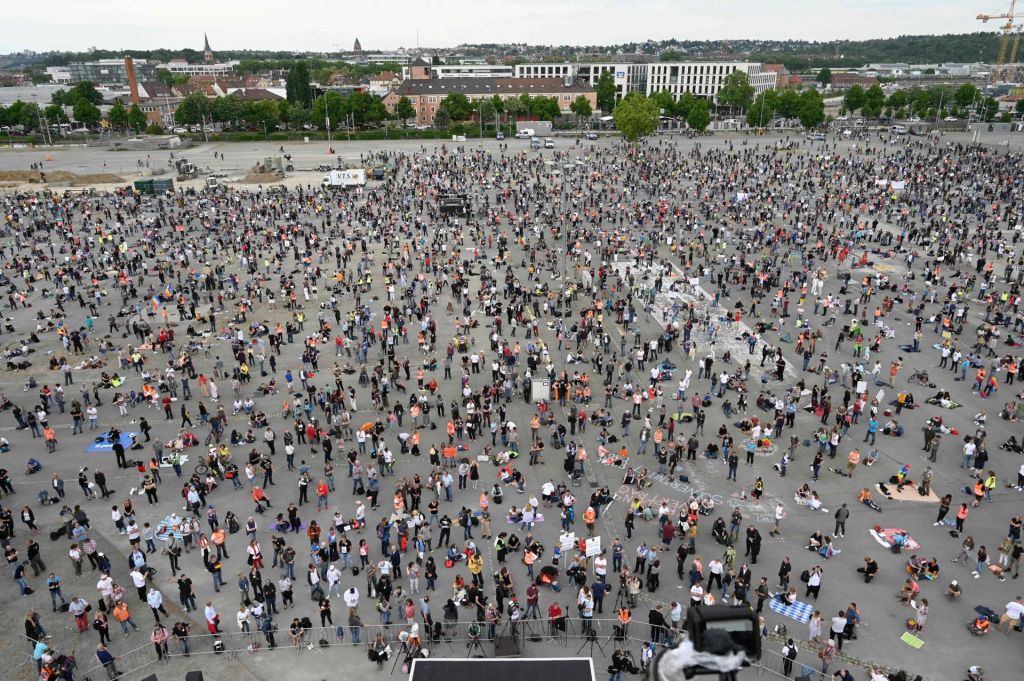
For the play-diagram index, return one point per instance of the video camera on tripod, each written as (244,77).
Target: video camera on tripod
(720,640)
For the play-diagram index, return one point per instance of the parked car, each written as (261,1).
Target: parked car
(549,143)
(500,135)
(179,130)
(591,135)
(950,119)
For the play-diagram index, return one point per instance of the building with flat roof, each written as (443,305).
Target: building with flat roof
(701,79)
(466,71)
(110,71)
(426,95)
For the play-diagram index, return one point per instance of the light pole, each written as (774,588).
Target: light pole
(480,117)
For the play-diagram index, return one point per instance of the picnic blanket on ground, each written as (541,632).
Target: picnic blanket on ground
(165,528)
(884,537)
(107,446)
(799,611)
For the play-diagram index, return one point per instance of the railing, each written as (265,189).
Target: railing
(455,639)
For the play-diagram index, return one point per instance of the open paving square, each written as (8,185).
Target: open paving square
(298,425)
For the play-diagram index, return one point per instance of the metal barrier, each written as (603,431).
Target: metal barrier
(453,639)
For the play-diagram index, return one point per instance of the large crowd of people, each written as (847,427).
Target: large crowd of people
(662,318)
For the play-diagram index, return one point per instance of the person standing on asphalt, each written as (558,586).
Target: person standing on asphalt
(842,513)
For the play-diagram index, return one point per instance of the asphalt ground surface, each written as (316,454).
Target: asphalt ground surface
(883,617)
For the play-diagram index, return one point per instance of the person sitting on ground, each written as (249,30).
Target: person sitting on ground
(870,569)
(815,541)
(915,565)
(908,592)
(953,590)
(980,625)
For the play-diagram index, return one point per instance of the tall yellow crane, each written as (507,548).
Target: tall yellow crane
(1002,70)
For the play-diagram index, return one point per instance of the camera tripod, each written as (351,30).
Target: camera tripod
(474,644)
(402,653)
(590,637)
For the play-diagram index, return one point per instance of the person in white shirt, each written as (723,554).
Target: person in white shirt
(242,617)
(333,580)
(352,598)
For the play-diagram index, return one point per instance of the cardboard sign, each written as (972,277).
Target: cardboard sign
(567,540)
(593,546)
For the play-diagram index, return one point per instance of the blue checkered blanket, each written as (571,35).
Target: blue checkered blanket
(799,611)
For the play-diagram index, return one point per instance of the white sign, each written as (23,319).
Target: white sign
(567,540)
(862,387)
(593,546)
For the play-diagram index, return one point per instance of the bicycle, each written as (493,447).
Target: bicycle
(919,377)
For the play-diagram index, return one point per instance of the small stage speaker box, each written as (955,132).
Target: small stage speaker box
(194,676)
(151,677)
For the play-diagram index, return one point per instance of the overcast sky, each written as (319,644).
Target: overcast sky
(322,25)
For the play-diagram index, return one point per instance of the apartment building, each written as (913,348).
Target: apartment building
(701,79)
(704,79)
(426,95)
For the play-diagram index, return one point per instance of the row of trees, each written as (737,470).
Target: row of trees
(938,100)
(807,106)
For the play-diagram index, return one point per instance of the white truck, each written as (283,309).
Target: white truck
(345,178)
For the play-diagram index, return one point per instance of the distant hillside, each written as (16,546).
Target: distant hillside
(796,54)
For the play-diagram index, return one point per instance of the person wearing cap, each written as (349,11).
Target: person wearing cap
(953,590)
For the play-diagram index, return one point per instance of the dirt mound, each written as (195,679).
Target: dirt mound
(59,176)
(261,178)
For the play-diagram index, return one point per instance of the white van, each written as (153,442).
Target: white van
(898,130)
(525,134)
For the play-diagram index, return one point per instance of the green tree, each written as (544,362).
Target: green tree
(824,76)
(331,106)
(498,103)
(683,105)
(171,79)
(606,92)
(699,116)
(812,108)
(874,100)
(457,106)
(297,85)
(84,91)
(55,114)
(762,111)
(546,108)
(581,107)
(228,109)
(514,107)
(736,92)
(1019,108)
(118,115)
(854,98)
(898,100)
(989,109)
(136,117)
(60,98)
(404,109)
(23,113)
(670,55)
(263,113)
(86,113)
(964,95)
(787,104)
(921,102)
(666,103)
(636,116)
(192,109)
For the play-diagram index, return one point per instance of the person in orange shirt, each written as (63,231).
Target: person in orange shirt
(852,461)
(219,538)
(321,495)
(590,518)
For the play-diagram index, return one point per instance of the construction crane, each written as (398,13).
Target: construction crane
(1003,68)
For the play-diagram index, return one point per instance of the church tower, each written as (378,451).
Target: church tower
(357,47)
(207,52)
